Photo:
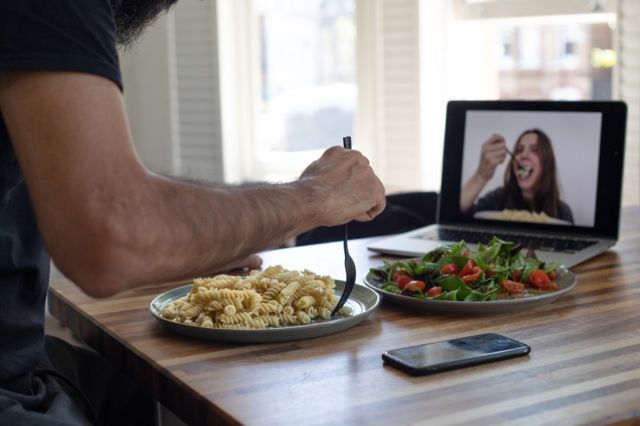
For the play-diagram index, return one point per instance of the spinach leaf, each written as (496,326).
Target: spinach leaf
(449,282)
(476,296)
(551,266)
(531,265)
(426,268)
(390,287)
(377,274)
(449,295)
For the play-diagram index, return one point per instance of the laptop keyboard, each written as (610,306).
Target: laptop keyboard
(537,242)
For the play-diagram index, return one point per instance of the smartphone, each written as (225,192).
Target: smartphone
(447,355)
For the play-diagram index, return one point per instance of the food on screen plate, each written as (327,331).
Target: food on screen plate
(524,171)
(499,270)
(270,298)
(524,216)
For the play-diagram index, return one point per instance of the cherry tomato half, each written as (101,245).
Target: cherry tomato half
(402,281)
(434,291)
(472,277)
(516,275)
(512,286)
(415,285)
(539,279)
(468,268)
(449,269)
(397,274)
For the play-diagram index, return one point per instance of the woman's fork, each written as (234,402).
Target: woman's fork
(513,157)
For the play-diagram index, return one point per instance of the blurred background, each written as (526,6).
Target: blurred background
(245,90)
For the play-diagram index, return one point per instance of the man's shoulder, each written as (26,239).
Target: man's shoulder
(61,35)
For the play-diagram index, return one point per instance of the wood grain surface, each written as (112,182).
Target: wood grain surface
(584,366)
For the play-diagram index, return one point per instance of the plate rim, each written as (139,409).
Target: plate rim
(488,304)
(269,334)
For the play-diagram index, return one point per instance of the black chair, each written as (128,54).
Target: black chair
(405,211)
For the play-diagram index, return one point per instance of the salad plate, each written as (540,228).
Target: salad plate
(503,267)
(566,281)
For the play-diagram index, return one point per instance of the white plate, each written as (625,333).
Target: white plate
(362,302)
(566,280)
(497,215)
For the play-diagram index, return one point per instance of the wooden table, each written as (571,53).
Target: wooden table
(584,367)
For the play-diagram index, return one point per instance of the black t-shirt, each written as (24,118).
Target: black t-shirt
(65,35)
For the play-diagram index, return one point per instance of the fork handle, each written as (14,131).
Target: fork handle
(346,142)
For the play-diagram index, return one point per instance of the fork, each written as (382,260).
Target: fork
(349,265)
(513,157)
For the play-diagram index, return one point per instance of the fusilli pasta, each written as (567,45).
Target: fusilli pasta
(270,298)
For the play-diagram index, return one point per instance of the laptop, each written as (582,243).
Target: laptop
(559,191)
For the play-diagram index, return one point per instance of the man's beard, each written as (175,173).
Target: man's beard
(133,16)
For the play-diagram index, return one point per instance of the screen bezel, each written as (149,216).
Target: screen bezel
(610,168)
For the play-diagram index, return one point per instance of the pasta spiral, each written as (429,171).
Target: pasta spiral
(271,298)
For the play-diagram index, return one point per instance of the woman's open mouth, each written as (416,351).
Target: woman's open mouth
(524,172)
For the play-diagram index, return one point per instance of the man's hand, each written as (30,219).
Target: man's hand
(493,153)
(346,185)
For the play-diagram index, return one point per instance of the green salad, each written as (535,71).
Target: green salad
(498,270)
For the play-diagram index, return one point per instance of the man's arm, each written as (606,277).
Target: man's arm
(110,224)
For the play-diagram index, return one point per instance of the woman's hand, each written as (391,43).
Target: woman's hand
(494,152)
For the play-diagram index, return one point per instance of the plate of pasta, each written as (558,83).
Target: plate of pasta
(273,305)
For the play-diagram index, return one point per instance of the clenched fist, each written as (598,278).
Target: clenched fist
(344,186)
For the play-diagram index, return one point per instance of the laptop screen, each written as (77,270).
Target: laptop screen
(531,166)
(536,164)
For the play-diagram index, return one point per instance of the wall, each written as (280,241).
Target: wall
(148,75)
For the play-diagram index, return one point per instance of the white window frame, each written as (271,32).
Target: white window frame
(240,84)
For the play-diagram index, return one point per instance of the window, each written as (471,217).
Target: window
(298,67)
(307,74)
(524,58)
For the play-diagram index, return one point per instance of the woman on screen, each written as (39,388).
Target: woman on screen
(530,191)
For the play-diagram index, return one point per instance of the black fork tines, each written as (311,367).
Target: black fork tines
(350,269)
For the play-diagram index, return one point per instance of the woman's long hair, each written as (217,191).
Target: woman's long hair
(546,193)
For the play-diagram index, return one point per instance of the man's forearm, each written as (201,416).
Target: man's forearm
(209,226)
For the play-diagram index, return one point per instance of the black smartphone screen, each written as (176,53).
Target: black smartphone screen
(451,354)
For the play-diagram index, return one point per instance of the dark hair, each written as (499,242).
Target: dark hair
(547,194)
(132,17)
